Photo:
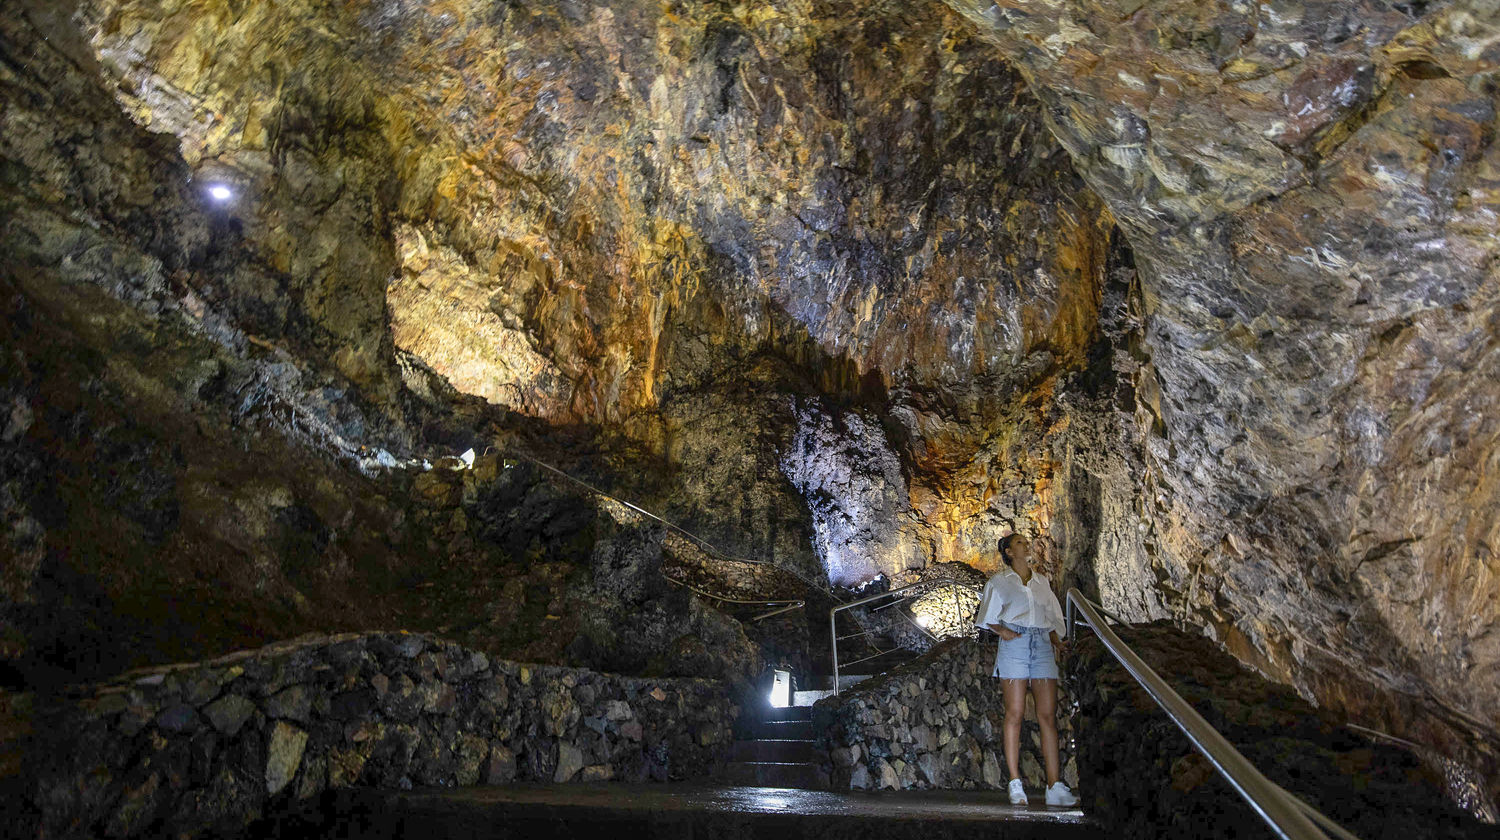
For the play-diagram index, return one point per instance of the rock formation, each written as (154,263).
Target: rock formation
(1205,293)
(935,723)
(1309,190)
(606,214)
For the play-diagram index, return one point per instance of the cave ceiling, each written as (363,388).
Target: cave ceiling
(593,214)
(575,190)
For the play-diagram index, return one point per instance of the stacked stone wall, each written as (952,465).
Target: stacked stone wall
(936,722)
(207,748)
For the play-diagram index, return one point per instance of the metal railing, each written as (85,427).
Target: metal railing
(783,604)
(708,547)
(705,544)
(833,627)
(1287,815)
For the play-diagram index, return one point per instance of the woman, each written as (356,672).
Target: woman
(1019,606)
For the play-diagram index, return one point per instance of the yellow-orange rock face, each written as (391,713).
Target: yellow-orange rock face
(591,212)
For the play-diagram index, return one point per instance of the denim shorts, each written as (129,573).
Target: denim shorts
(1027,657)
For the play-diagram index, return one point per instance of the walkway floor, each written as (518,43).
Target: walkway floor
(682,812)
(984,805)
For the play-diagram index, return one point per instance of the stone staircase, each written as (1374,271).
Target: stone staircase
(779,753)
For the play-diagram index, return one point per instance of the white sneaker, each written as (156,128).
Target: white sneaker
(1017,793)
(1058,794)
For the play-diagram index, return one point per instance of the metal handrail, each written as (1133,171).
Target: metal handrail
(796,605)
(762,602)
(872,656)
(710,547)
(1287,815)
(790,603)
(913,622)
(705,544)
(833,627)
(1384,736)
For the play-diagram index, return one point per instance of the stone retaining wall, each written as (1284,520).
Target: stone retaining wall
(936,722)
(208,747)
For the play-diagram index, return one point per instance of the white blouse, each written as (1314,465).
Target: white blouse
(1007,600)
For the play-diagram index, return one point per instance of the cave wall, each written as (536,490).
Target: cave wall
(210,436)
(156,453)
(1309,190)
(611,218)
(1142,777)
(185,471)
(535,152)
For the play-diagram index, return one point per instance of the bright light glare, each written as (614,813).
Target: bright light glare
(781,690)
(772,802)
(219,192)
(924,620)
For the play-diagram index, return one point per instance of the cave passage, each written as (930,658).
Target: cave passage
(614,411)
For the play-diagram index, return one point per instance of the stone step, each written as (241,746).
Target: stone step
(782,751)
(794,712)
(677,811)
(780,730)
(779,774)
(808,698)
(824,682)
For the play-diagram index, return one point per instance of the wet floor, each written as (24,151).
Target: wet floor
(910,805)
(676,811)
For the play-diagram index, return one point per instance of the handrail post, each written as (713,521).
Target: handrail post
(833,637)
(833,628)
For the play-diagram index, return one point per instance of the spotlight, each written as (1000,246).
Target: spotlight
(220,193)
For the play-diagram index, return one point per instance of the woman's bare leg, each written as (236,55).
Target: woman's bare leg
(1015,707)
(1045,692)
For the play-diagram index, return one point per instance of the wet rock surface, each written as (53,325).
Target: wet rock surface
(850,135)
(1141,777)
(935,722)
(186,470)
(122,497)
(190,366)
(208,748)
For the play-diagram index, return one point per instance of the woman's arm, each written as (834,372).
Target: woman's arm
(991,607)
(1004,632)
(1057,621)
